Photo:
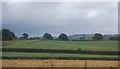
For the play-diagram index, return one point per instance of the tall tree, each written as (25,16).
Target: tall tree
(7,34)
(47,36)
(97,36)
(63,37)
(25,35)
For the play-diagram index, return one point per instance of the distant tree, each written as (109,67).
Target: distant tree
(118,37)
(34,38)
(97,36)
(63,37)
(25,35)
(82,38)
(114,38)
(47,36)
(7,34)
(111,38)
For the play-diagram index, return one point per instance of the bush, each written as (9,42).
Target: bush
(79,49)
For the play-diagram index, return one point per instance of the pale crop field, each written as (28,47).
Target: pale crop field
(58,63)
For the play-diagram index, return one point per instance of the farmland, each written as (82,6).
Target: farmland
(66,45)
(60,45)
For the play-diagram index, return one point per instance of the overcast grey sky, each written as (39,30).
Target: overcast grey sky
(59,0)
(36,18)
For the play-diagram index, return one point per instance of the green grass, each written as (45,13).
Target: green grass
(24,54)
(63,45)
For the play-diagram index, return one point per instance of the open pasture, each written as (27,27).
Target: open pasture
(63,45)
(60,45)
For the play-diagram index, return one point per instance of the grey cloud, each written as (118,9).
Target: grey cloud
(0,15)
(37,18)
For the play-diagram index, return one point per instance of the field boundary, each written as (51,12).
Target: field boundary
(61,51)
(59,58)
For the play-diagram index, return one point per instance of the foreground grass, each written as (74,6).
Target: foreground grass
(25,54)
(63,45)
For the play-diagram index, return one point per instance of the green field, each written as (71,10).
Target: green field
(63,45)
(60,45)
(19,54)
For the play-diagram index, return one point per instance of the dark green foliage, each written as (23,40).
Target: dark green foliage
(60,51)
(25,35)
(119,37)
(115,38)
(34,38)
(98,36)
(79,49)
(60,58)
(47,36)
(83,38)
(63,37)
(7,35)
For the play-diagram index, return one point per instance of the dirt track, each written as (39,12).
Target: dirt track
(58,63)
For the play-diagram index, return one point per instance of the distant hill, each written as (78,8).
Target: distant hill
(89,36)
(81,37)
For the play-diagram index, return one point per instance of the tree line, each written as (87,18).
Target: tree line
(9,35)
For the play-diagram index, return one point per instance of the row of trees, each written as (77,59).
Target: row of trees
(9,35)
(60,37)
(115,38)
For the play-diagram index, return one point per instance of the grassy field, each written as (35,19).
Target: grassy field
(63,45)
(60,45)
(25,54)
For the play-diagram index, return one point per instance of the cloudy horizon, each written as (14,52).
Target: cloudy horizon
(37,18)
